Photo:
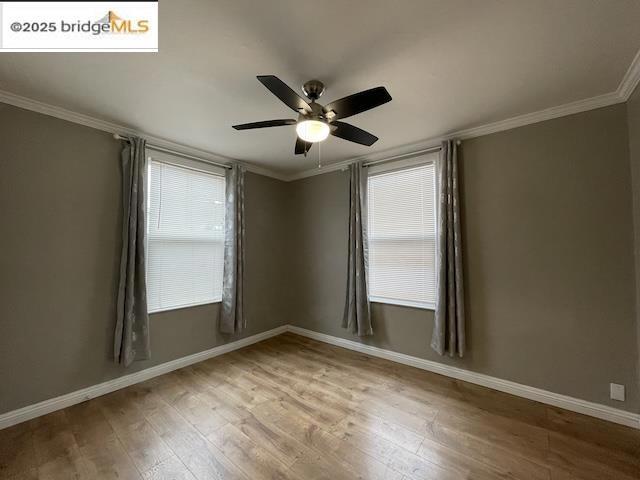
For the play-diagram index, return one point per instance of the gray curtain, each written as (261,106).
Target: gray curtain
(357,312)
(449,328)
(232,318)
(131,338)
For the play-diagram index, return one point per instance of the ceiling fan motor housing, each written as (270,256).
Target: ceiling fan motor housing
(316,113)
(313,89)
(316,121)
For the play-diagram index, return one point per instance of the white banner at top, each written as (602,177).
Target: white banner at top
(79,26)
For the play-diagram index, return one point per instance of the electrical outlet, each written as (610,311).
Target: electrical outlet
(617,391)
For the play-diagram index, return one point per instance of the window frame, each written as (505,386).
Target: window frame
(181,162)
(395,166)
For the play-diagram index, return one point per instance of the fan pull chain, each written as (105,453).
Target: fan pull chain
(319,156)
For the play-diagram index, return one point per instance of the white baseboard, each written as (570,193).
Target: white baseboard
(555,399)
(32,411)
(603,412)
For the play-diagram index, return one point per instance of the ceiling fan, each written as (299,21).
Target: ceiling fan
(315,122)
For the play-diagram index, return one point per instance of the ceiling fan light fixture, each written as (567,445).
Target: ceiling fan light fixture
(316,122)
(312,131)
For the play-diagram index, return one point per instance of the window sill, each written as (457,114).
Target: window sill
(182,307)
(403,303)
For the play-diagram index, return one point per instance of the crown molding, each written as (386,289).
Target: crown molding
(631,79)
(626,87)
(106,126)
(407,149)
(481,130)
(572,108)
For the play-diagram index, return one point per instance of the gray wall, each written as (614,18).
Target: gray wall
(548,236)
(547,225)
(633,117)
(60,211)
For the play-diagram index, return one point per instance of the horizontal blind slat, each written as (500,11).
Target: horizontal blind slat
(402,235)
(185,236)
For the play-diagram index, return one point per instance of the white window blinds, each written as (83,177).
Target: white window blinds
(402,236)
(185,232)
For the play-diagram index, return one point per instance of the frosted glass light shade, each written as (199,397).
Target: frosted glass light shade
(312,130)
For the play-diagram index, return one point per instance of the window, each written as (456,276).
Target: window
(402,233)
(185,233)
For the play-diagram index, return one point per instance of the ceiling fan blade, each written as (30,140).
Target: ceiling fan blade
(302,146)
(281,90)
(357,103)
(266,123)
(347,131)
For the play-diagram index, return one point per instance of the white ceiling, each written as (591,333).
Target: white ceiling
(449,65)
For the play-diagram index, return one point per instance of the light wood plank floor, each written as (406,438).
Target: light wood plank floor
(293,408)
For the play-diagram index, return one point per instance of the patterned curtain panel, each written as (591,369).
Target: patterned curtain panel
(357,311)
(449,328)
(232,318)
(131,338)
